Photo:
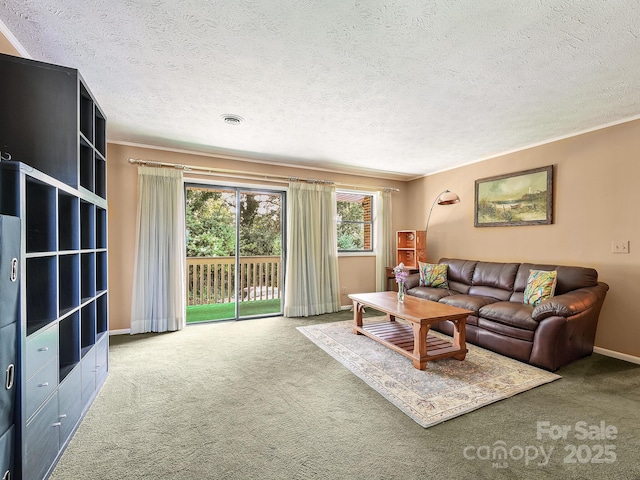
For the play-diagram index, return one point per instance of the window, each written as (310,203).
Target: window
(355,221)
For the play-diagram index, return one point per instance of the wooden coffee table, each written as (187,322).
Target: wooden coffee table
(411,340)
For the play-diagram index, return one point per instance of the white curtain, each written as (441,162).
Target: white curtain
(384,239)
(158,290)
(311,286)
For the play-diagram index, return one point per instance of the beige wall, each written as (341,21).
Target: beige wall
(595,201)
(6,47)
(357,274)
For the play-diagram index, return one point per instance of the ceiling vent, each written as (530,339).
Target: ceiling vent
(231,119)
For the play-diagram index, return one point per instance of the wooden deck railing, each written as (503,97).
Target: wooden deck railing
(212,279)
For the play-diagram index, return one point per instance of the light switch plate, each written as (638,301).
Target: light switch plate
(620,246)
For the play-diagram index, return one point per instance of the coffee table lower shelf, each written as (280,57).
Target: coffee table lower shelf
(400,338)
(410,337)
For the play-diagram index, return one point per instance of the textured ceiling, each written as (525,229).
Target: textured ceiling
(404,87)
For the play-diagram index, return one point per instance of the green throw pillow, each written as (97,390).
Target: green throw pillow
(540,286)
(433,275)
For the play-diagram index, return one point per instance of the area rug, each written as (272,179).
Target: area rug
(446,389)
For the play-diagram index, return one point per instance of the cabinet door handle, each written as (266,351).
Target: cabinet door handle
(43,349)
(10,377)
(45,384)
(13,275)
(7,475)
(57,424)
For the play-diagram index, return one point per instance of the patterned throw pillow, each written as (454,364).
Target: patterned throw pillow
(540,286)
(433,275)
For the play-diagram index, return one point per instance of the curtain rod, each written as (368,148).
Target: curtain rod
(221,172)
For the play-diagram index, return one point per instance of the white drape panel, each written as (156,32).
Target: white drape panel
(158,289)
(384,239)
(311,286)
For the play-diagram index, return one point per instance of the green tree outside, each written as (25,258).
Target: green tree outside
(210,220)
(351,215)
(210,224)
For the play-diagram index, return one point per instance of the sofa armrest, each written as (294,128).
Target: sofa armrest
(571,303)
(412,281)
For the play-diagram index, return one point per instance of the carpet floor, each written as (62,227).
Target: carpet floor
(446,389)
(257,400)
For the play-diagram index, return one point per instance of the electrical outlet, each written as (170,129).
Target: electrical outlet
(620,246)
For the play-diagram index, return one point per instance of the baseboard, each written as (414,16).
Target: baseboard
(123,331)
(618,355)
(346,307)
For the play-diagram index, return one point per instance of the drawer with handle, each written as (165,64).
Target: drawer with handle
(41,348)
(41,385)
(7,454)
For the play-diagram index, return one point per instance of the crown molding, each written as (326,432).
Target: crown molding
(14,41)
(392,176)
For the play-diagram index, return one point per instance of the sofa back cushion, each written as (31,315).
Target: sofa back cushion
(492,279)
(569,278)
(507,281)
(460,273)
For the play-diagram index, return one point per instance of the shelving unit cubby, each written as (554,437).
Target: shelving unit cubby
(410,248)
(69,223)
(69,274)
(69,343)
(56,184)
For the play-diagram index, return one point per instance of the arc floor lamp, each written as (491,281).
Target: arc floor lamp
(445,198)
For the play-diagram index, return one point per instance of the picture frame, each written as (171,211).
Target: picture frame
(515,199)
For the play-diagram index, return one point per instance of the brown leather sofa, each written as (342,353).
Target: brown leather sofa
(554,333)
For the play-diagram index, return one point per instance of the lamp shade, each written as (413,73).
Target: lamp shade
(448,198)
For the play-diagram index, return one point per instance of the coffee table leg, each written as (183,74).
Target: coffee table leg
(357,317)
(460,338)
(420,345)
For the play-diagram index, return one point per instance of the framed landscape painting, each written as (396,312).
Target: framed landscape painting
(521,198)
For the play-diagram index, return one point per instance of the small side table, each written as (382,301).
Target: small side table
(391,278)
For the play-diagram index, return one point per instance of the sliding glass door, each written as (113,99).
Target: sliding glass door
(234,253)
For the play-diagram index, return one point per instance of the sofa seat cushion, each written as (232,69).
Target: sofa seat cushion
(510,313)
(430,293)
(468,302)
(506,330)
